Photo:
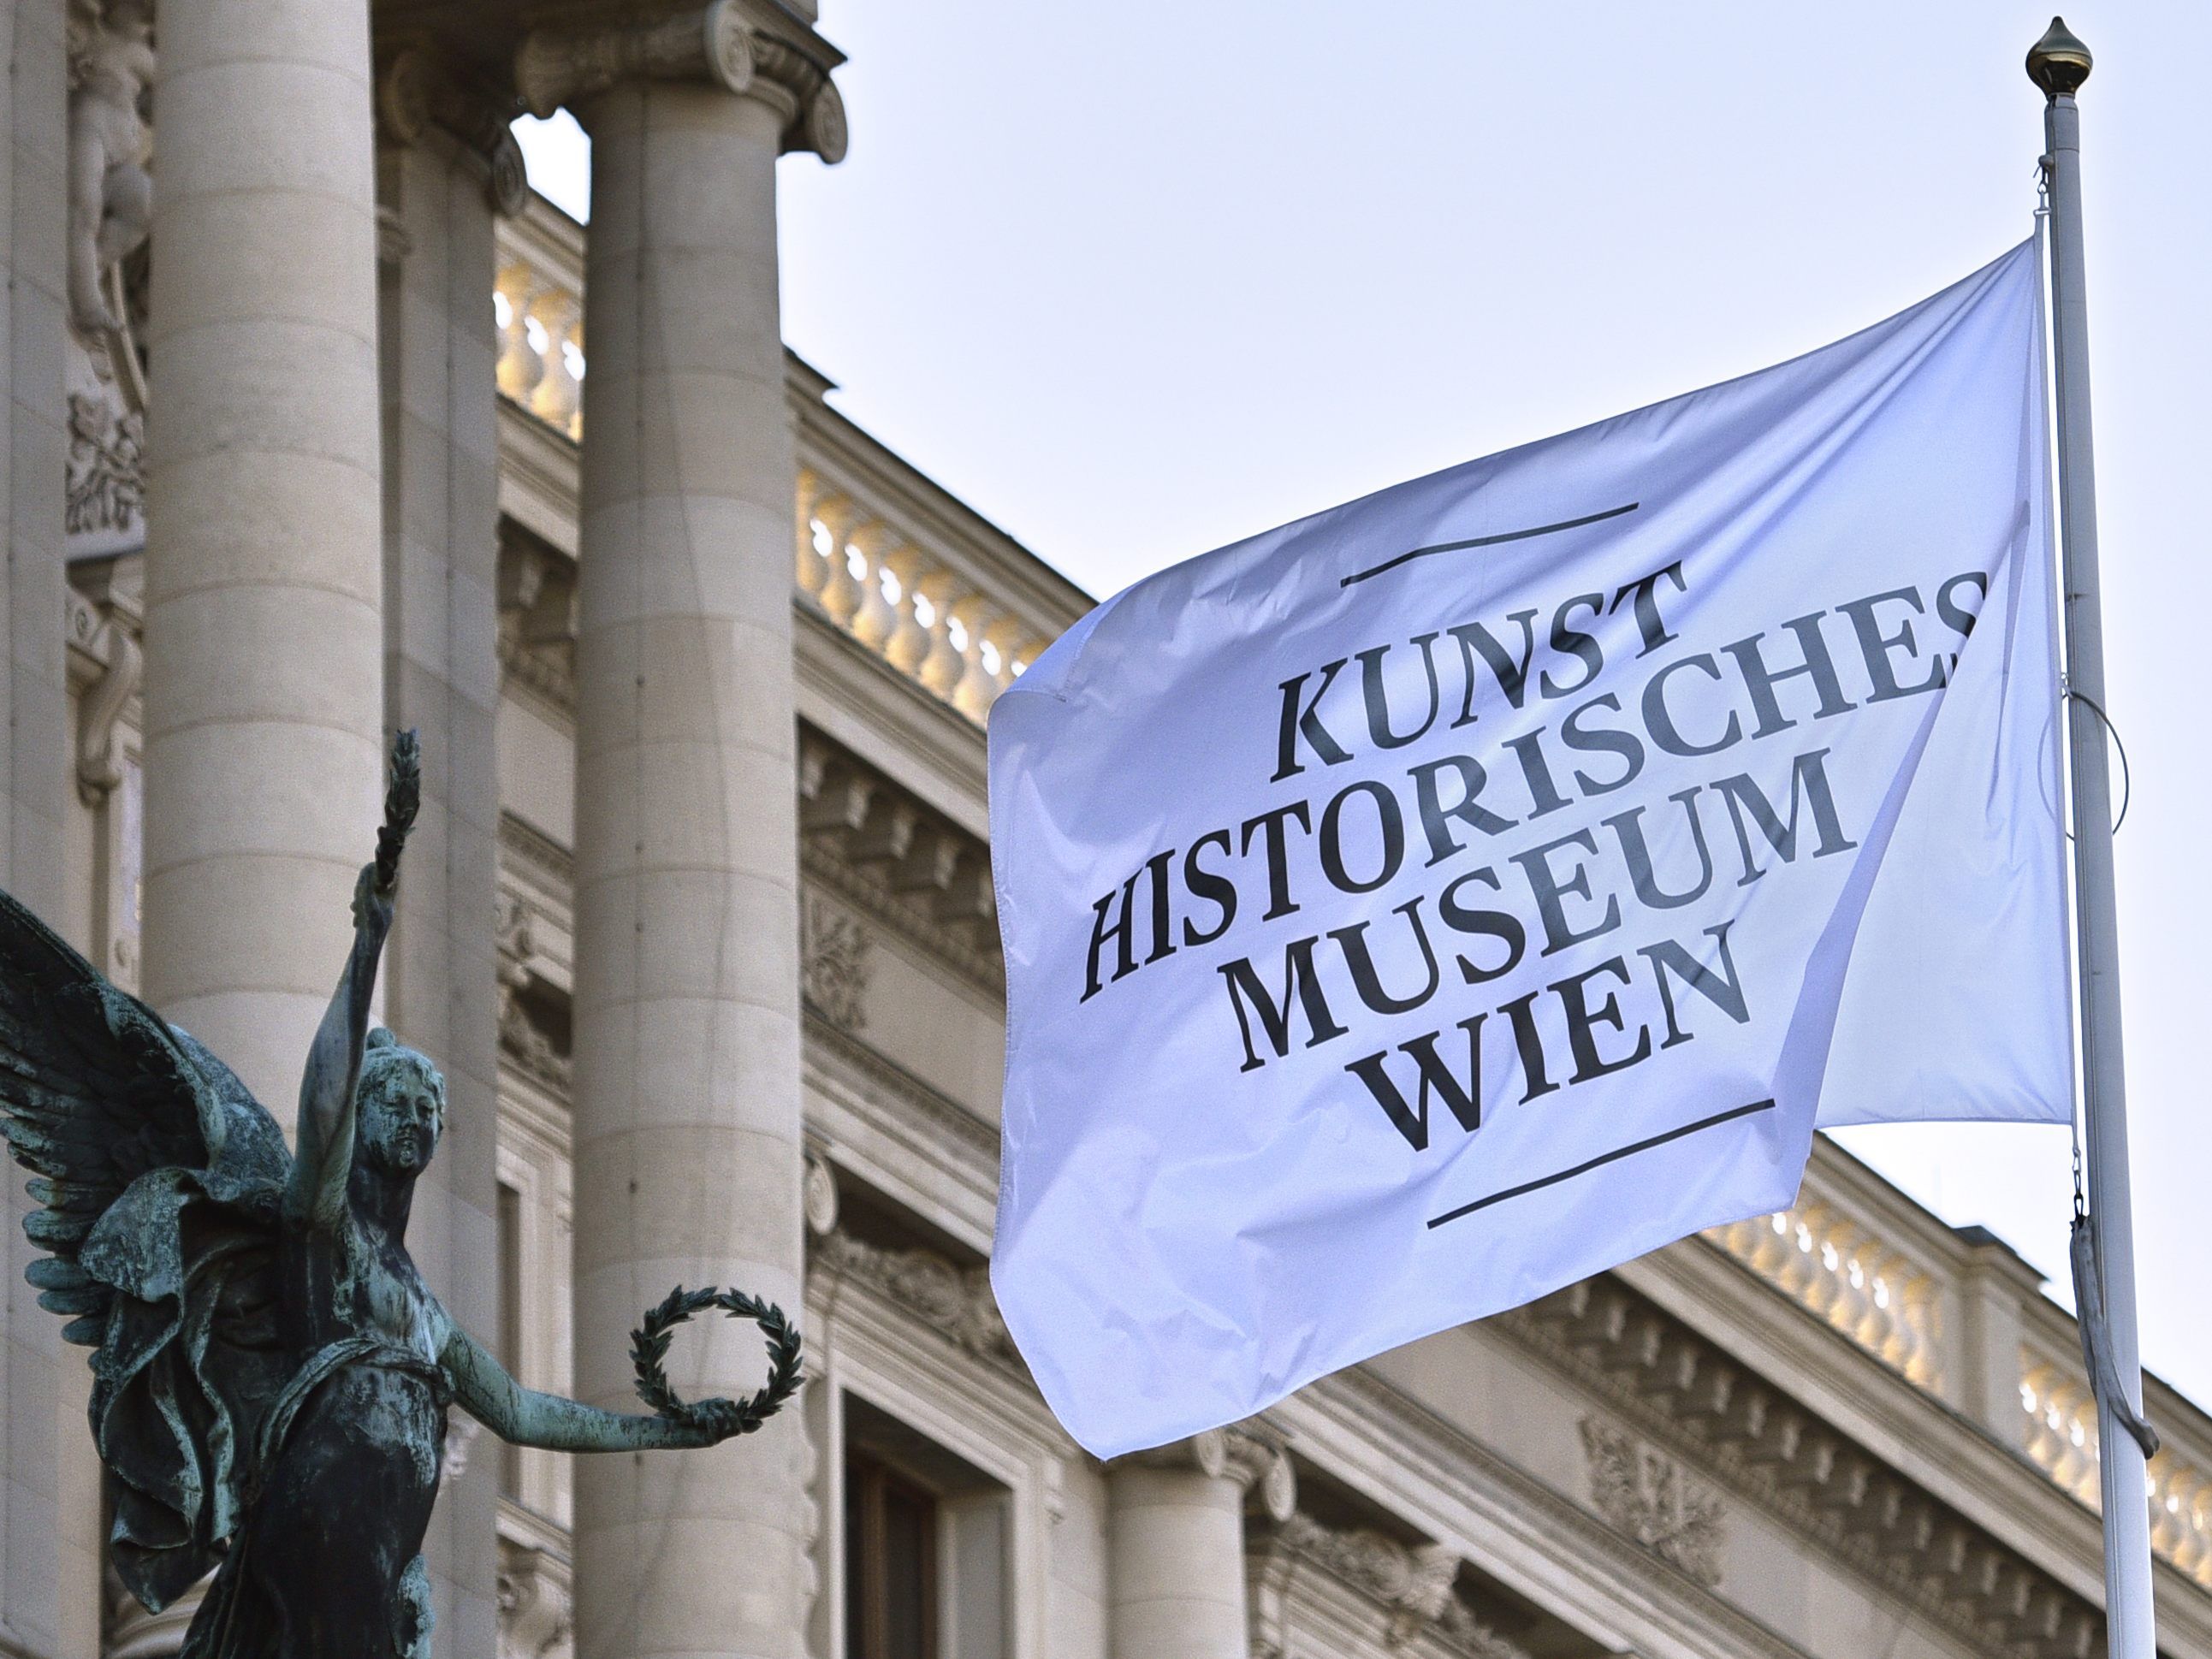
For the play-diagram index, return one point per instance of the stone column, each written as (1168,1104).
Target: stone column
(49,1496)
(1175,1533)
(445,167)
(687,1142)
(263,677)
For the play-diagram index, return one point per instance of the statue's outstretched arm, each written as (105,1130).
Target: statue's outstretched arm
(322,1162)
(524,1417)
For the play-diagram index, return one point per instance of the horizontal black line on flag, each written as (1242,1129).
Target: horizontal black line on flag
(1603,1158)
(1490,541)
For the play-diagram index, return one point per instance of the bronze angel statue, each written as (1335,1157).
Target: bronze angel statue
(271,1376)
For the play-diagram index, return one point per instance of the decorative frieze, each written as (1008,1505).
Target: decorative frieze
(1650,1497)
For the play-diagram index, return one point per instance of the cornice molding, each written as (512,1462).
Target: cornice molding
(908,868)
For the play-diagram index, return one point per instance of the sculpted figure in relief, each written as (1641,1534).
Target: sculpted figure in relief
(271,1376)
(111,193)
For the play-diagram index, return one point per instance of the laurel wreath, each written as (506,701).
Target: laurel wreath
(648,1348)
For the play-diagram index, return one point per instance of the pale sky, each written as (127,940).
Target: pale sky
(1139,282)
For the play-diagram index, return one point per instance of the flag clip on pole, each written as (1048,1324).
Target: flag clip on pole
(2059,63)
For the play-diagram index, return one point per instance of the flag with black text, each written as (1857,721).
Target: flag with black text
(1424,905)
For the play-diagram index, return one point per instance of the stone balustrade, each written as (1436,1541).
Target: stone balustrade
(537,303)
(1851,1279)
(2062,1440)
(924,615)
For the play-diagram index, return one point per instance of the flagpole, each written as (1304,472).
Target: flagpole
(2059,63)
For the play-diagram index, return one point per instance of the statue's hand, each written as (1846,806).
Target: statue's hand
(710,1423)
(372,903)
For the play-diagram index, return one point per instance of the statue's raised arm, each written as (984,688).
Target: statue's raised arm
(273,1375)
(329,1106)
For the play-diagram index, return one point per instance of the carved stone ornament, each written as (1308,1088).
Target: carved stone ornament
(537,622)
(1648,1495)
(536,1609)
(99,713)
(105,491)
(555,68)
(523,1040)
(718,45)
(1413,1586)
(957,1301)
(419,93)
(833,965)
(111,189)
(818,1196)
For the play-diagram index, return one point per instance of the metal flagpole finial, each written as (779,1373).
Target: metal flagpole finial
(2058,63)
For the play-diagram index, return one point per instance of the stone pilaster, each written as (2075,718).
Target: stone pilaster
(1176,1542)
(444,164)
(49,1494)
(687,1110)
(1983,1378)
(264,644)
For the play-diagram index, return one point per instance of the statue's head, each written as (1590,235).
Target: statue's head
(401,1107)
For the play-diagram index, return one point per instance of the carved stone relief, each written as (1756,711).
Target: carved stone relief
(526,1036)
(833,958)
(105,497)
(111,187)
(538,620)
(537,1611)
(1413,1587)
(957,1300)
(1649,1496)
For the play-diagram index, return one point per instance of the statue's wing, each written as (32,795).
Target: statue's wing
(96,1090)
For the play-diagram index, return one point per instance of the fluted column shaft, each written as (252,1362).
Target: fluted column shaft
(263,575)
(687,1082)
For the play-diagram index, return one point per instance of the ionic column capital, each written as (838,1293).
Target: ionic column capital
(1251,1453)
(723,45)
(419,93)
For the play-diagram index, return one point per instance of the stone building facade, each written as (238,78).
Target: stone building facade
(699,923)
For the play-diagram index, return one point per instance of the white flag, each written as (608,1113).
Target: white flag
(1430,903)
